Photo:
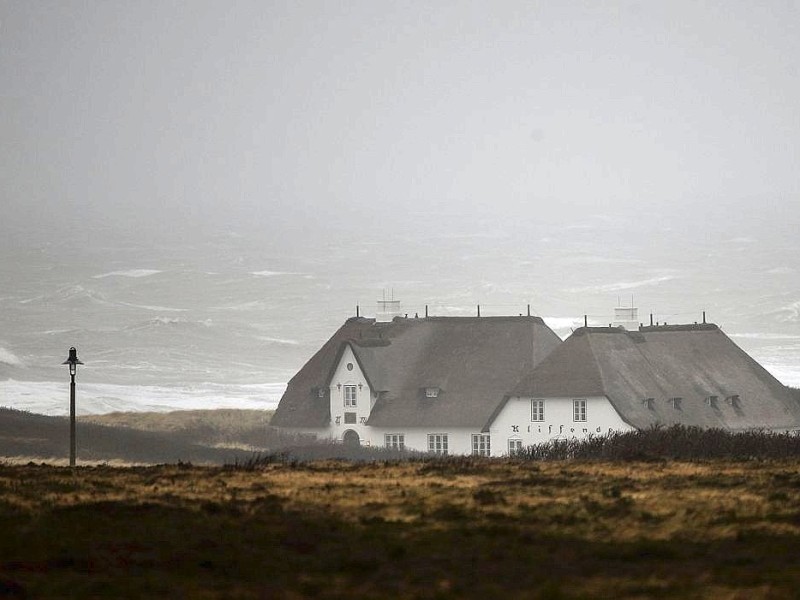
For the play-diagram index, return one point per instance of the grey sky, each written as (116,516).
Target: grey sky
(137,114)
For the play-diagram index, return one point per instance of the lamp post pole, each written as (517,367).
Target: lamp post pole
(73,363)
(72,443)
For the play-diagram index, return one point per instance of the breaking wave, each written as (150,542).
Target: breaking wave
(135,273)
(9,358)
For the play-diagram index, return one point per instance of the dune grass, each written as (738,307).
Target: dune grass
(226,427)
(460,528)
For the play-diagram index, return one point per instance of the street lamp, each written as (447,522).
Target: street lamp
(73,363)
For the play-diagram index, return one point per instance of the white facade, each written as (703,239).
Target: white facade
(522,422)
(351,399)
(445,440)
(529,421)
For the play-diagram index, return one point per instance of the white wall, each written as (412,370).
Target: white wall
(365,399)
(459,440)
(514,421)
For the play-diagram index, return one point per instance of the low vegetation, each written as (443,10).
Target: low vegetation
(671,443)
(30,436)
(424,528)
(237,428)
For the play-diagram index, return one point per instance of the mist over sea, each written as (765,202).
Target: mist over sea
(224,319)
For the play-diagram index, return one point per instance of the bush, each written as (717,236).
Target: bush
(667,443)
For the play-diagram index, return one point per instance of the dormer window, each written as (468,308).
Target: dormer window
(648,403)
(733,400)
(711,401)
(676,402)
(432,392)
(321,393)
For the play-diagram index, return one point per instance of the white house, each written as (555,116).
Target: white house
(605,379)
(489,386)
(428,384)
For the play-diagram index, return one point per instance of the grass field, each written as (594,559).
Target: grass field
(455,528)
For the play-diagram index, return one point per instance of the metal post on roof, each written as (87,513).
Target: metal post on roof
(479,310)
(585,320)
(704,317)
(651,319)
(529,310)
(426,311)
(357,311)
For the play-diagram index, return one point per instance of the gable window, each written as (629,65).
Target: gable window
(396,441)
(514,446)
(437,443)
(350,396)
(537,410)
(481,445)
(579,410)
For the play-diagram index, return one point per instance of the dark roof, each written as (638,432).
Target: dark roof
(474,361)
(691,362)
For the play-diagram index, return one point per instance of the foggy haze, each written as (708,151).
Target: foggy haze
(137,115)
(247,172)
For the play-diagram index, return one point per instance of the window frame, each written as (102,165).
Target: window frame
(481,444)
(438,443)
(538,411)
(579,410)
(395,441)
(350,402)
(514,446)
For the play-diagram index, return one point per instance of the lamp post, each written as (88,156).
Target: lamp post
(73,363)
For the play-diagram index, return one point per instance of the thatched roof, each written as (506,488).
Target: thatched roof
(474,361)
(689,362)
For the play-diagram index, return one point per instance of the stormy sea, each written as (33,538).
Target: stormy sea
(224,319)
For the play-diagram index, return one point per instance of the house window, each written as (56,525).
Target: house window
(437,443)
(350,396)
(350,418)
(537,410)
(432,392)
(395,440)
(514,446)
(579,410)
(481,445)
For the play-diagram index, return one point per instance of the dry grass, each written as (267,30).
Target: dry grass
(220,427)
(414,529)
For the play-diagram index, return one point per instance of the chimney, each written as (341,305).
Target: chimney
(627,318)
(388,309)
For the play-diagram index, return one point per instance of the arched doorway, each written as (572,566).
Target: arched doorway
(351,439)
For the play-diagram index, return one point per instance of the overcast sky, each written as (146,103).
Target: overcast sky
(233,114)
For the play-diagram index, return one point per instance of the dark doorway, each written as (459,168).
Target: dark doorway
(351,439)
